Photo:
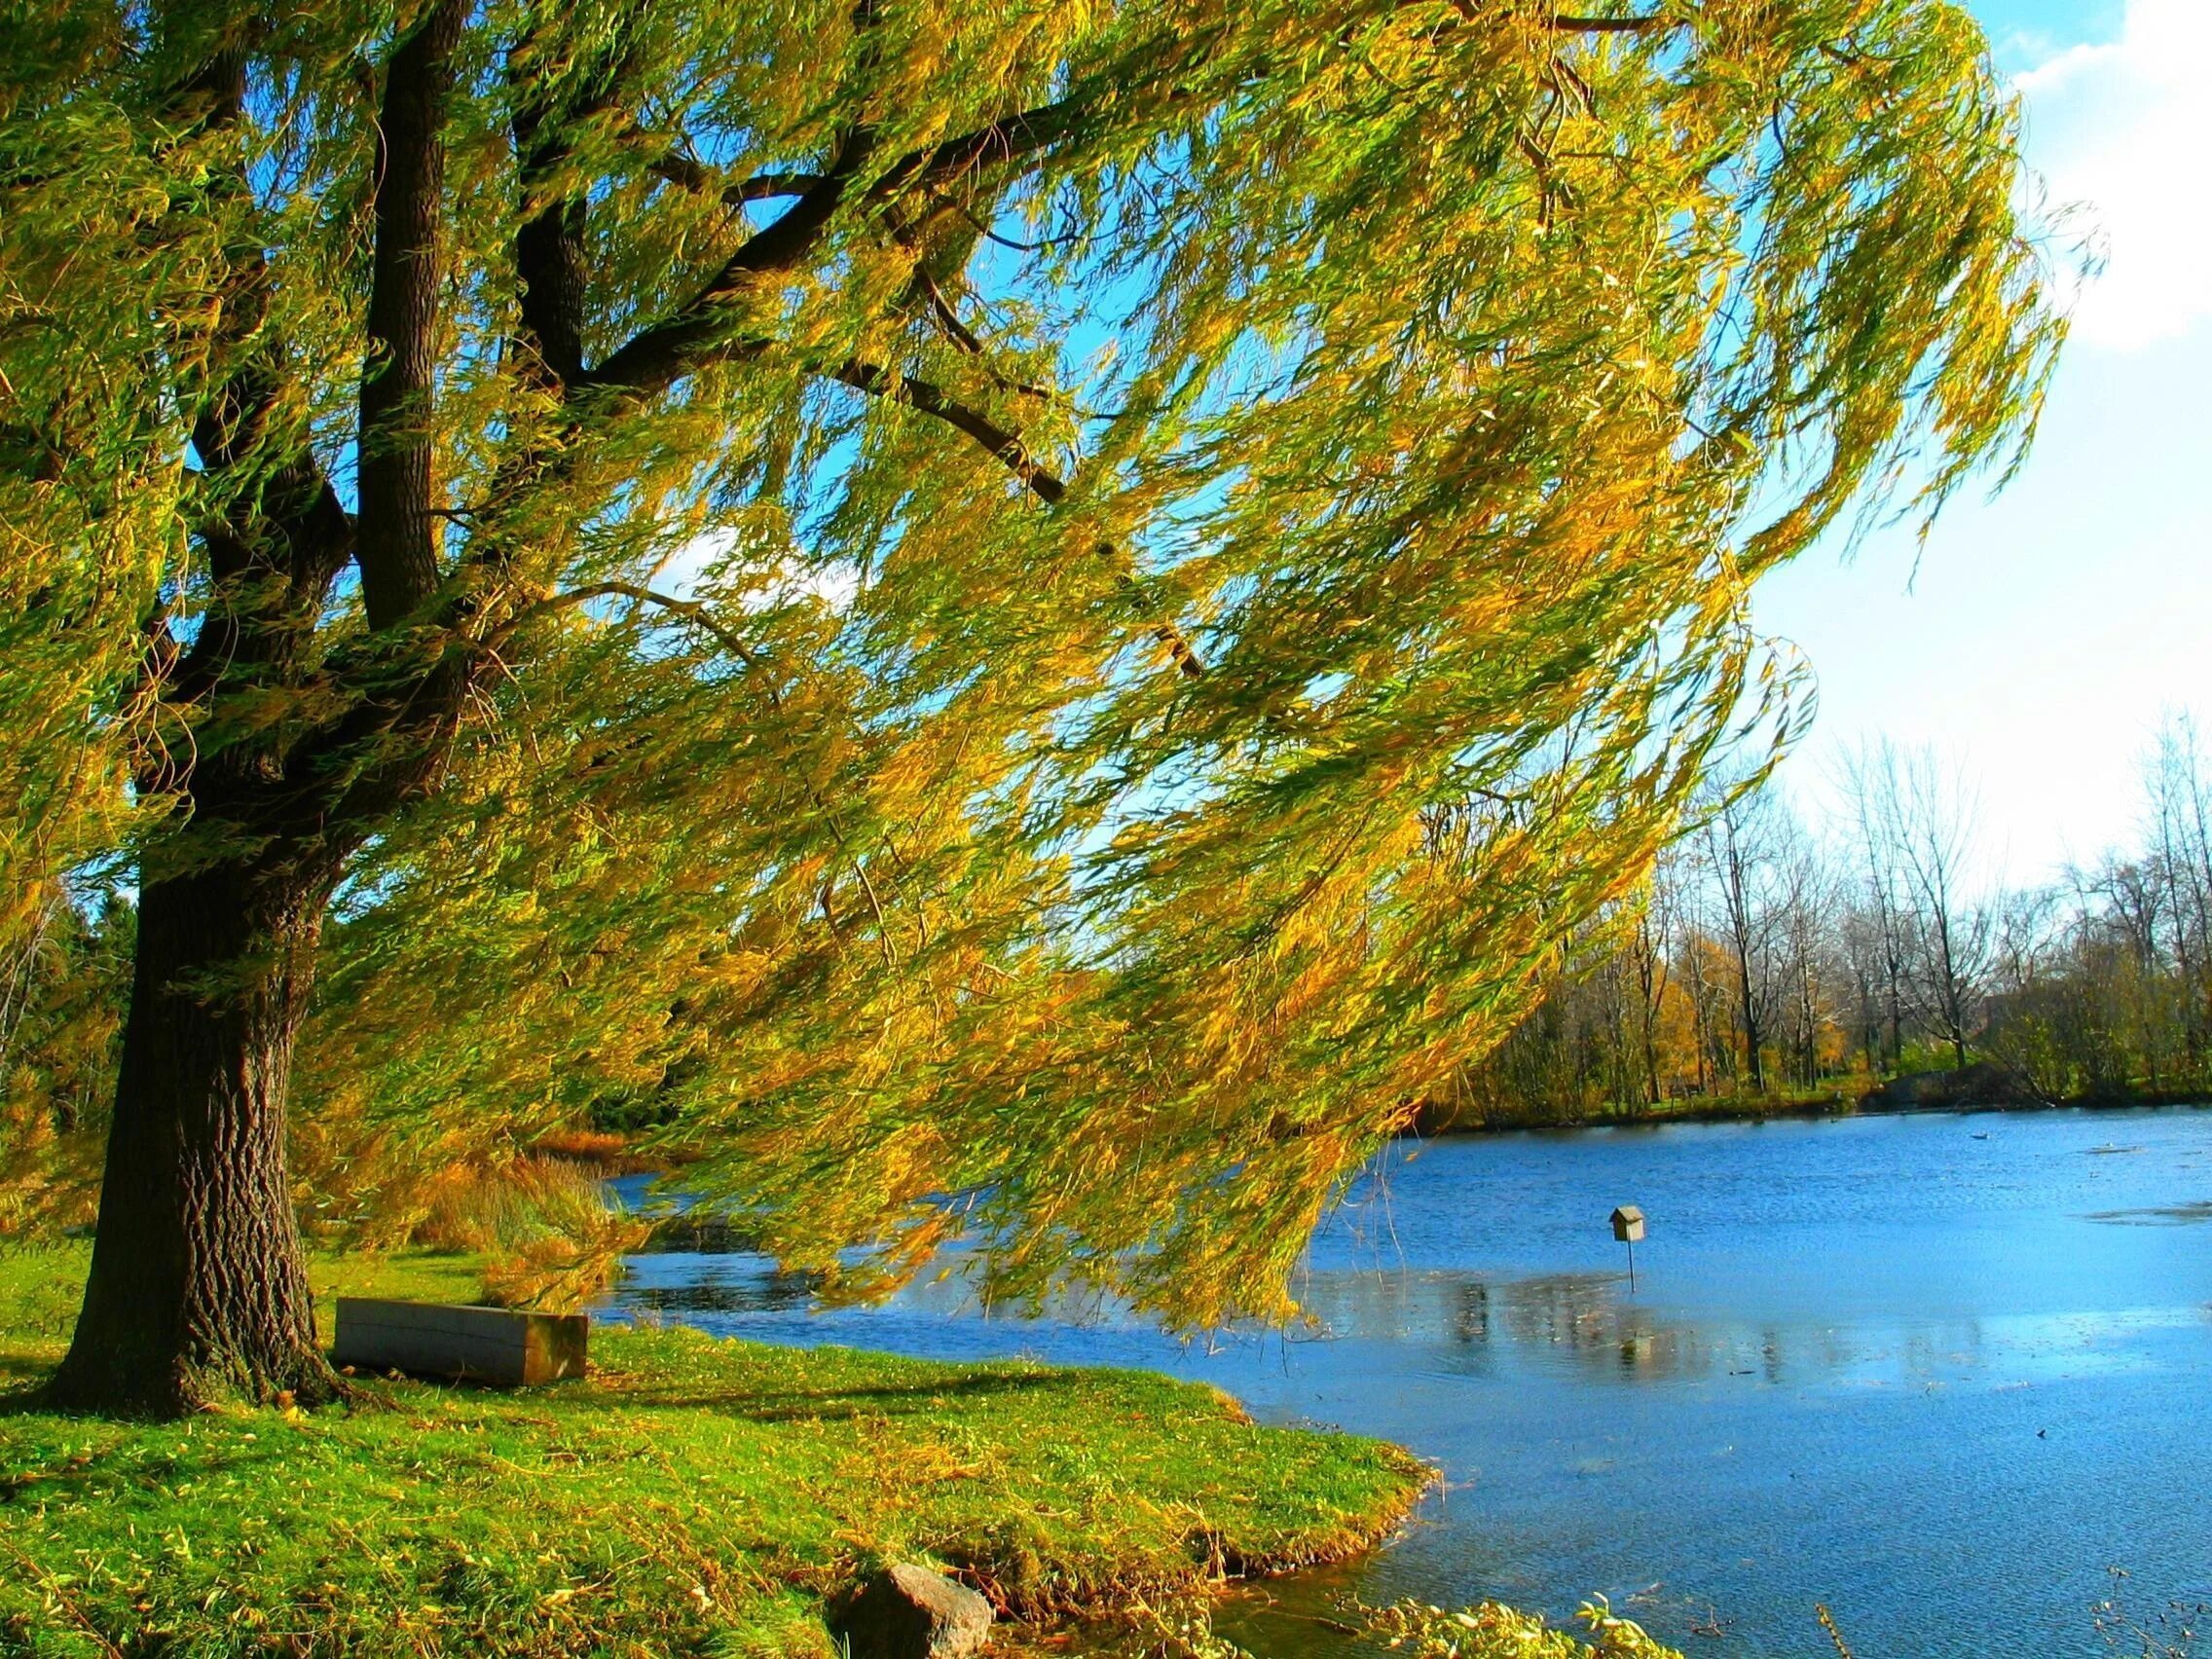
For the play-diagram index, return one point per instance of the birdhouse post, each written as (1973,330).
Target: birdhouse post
(1627,1228)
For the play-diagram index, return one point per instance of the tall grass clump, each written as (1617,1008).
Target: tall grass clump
(1182,1627)
(550,1233)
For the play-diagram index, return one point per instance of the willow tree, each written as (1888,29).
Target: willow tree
(1033,620)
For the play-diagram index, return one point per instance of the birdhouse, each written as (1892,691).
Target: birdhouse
(1628,1224)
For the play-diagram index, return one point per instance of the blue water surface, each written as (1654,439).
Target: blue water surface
(1946,1375)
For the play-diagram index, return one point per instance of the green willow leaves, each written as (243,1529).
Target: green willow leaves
(1063,605)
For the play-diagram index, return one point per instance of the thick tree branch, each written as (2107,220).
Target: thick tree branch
(275,535)
(272,567)
(1009,139)
(1009,449)
(663,352)
(549,246)
(397,540)
(702,180)
(549,259)
(655,358)
(1609,25)
(1006,446)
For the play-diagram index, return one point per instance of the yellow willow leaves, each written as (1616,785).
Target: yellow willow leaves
(1127,646)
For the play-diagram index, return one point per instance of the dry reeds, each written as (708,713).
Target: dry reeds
(551,1233)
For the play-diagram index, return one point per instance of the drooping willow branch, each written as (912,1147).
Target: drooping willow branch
(1009,450)
(692,609)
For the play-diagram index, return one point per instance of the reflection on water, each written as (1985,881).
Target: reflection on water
(757,1287)
(2173,1215)
(1584,1318)
(1940,1383)
(1589,1323)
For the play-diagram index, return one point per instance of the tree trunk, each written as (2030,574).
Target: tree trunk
(1897,1020)
(1748,1010)
(199,1287)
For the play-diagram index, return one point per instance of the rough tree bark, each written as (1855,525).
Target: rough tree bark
(197,1285)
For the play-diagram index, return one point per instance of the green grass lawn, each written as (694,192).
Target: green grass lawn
(695,1496)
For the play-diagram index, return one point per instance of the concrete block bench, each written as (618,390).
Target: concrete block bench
(472,1345)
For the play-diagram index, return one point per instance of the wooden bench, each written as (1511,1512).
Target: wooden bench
(472,1345)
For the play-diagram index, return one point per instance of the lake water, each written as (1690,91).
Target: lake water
(1944,1373)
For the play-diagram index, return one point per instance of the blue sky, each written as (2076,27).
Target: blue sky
(2043,632)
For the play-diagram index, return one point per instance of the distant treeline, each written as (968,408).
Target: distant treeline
(1768,962)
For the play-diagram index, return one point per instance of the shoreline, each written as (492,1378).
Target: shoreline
(1759,1111)
(692,1496)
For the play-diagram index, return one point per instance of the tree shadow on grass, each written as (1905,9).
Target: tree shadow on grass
(23,1381)
(881,1399)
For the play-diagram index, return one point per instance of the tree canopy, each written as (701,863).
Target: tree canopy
(1029,622)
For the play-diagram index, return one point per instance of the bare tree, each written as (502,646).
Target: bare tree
(1650,952)
(1883,946)
(2179,795)
(1806,913)
(2124,899)
(1757,950)
(1740,848)
(1918,821)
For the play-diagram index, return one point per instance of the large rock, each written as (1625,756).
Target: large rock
(910,1612)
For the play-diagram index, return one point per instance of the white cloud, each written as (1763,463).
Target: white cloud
(2121,128)
(773,580)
